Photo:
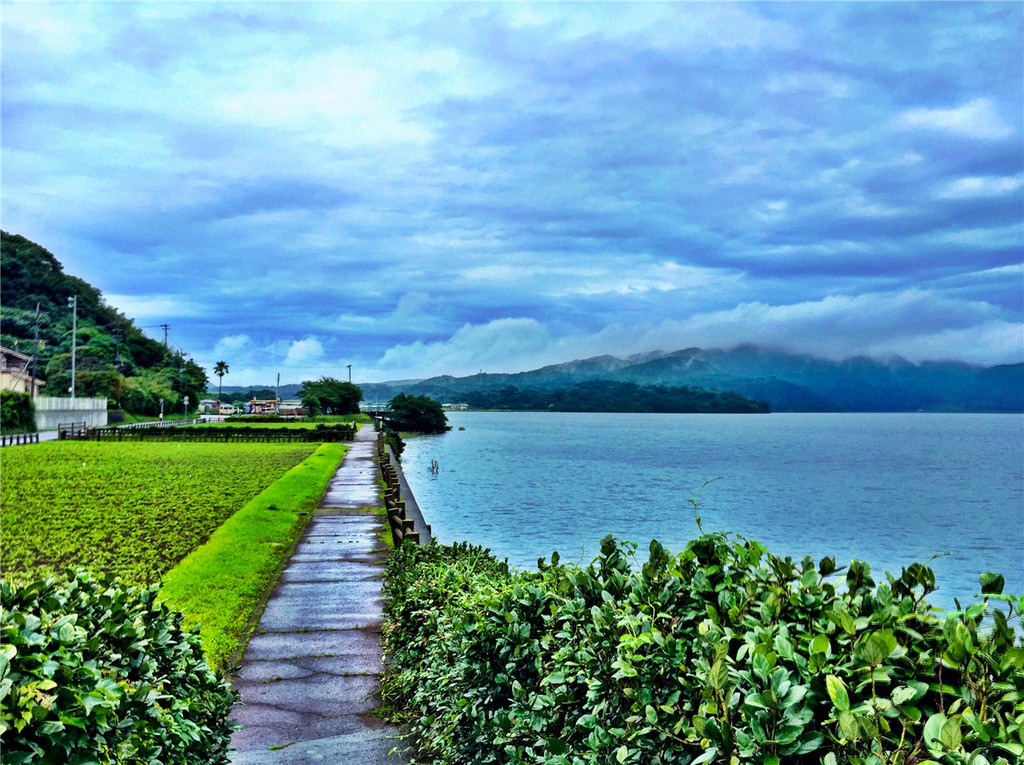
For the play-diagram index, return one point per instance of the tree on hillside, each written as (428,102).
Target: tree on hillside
(33,276)
(330,396)
(416,414)
(220,370)
(114,359)
(192,382)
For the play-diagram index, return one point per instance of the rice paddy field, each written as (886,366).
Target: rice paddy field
(131,509)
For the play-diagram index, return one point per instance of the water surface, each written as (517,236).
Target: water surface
(887,488)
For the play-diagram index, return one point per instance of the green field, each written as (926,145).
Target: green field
(132,509)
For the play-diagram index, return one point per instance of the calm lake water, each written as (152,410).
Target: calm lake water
(890,489)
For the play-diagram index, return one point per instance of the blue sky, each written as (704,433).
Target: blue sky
(419,189)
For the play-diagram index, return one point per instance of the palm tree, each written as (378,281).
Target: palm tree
(220,369)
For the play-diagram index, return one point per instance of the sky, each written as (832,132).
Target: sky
(425,188)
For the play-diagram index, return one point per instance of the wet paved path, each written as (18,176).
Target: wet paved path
(310,674)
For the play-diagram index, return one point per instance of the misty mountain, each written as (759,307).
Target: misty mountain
(787,382)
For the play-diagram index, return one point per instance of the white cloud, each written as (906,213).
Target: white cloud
(980,186)
(66,29)
(917,324)
(664,26)
(1003,237)
(304,352)
(772,210)
(232,344)
(145,308)
(414,312)
(809,82)
(991,342)
(608,274)
(976,119)
(495,346)
(913,323)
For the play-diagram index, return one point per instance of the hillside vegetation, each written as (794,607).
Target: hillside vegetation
(114,359)
(615,397)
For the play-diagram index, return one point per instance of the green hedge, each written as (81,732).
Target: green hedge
(212,433)
(17,412)
(92,671)
(722,654)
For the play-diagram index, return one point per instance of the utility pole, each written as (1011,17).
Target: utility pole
(73,302)
(165,327)
(277,395)
(35,353)
(350,373)
(118,335)
(181,378)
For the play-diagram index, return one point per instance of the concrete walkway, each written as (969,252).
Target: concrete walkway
(311,674)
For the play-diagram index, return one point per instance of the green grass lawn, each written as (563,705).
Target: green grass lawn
(131,509)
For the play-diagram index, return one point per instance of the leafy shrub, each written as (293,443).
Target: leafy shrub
(416,414)
(722,654)
(17,412)
(92,671)
(394,439)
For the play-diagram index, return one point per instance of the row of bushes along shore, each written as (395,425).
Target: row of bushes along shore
(724,653)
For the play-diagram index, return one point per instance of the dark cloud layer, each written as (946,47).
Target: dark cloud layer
(421,189)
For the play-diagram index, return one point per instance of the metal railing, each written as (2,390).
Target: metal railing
(159,424)
(19,438)
(74,431)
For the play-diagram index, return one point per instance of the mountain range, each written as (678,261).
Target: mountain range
(787,382)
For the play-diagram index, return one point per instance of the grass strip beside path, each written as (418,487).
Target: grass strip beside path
(221,584)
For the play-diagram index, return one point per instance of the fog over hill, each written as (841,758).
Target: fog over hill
(786,381)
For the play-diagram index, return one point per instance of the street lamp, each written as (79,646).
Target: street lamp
(73,302)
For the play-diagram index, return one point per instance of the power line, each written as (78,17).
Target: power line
(164,327)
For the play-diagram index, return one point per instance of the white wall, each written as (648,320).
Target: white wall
(51,411)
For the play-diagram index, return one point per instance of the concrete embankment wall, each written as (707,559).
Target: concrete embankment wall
(412,509)
(51,411)
(404,516)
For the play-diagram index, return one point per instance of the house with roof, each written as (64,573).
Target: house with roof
(16,372)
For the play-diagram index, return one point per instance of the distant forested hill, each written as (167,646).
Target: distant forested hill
(235,393)
(600,396)
(786,382)
(114,359)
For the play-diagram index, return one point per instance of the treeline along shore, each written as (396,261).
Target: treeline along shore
(607,396)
